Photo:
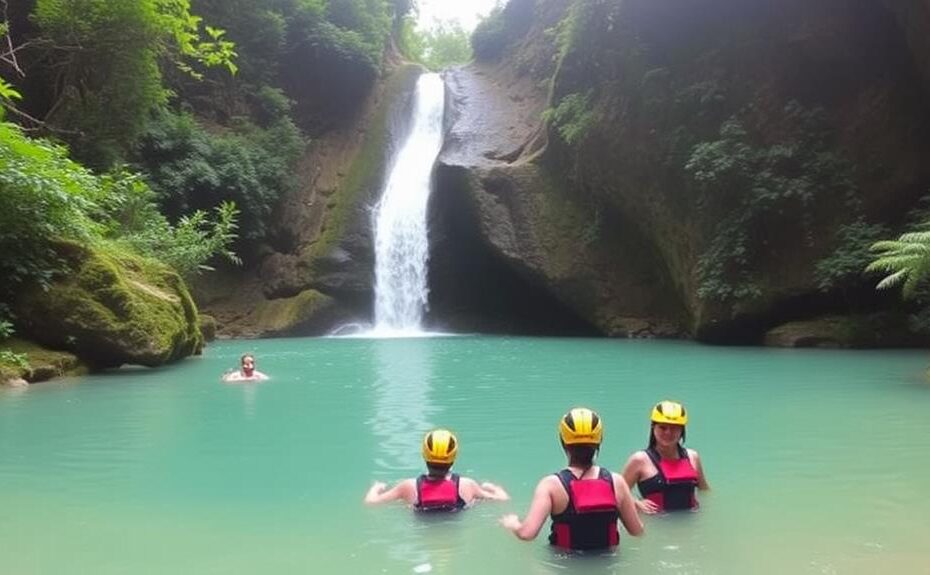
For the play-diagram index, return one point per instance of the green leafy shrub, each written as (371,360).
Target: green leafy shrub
(10,361)
(191,169)
(744,183)
(105,83)
(846,264)
(572,117)
(131,219)
(43,195)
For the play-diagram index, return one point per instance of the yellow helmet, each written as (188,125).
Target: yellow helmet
(581,426)
(669,412)
(440,446)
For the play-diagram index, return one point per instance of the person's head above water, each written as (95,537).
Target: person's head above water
(440,447)
(247,364)
(668,423)
(581,432)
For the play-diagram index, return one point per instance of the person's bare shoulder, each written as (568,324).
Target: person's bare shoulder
(636,460)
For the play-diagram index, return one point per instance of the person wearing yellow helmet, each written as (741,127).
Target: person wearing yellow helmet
(666,473)
(583,500)
(438,489)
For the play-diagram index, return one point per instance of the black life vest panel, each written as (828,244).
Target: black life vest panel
(673,487)
(438,494)
(590,520)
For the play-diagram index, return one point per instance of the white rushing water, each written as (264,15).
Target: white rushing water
(401,245)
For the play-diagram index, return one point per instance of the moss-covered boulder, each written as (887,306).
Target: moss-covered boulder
(305,313)
(112,309)
(40,363)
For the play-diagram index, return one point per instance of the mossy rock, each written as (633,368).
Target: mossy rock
(44,363)
(207,327)
(294,315)
(113,308)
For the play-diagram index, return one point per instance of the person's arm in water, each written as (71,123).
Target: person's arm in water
(696,460)
(484,490)
(540,508)
(631,474)
(493,491)
(626,505)
(379,493)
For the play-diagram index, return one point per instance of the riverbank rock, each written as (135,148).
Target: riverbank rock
(112,309)
(43,363)
(207,327)
(853,331)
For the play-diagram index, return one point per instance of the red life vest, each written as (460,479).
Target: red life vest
(438,495)
(673,487)
(590,520)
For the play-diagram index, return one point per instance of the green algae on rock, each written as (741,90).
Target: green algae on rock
(113,308)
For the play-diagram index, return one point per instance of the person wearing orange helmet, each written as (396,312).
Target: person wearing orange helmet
(438,489)
(666,473)
(584,501)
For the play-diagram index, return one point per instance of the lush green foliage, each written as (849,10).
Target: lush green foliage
(192,169)
(441,46)
(362,25)
(7,92)
(46,197)
(130,219)
(746,183)
(572,117)
(43,196)
(10,361)
(103,84)
(905,261)
(844,266)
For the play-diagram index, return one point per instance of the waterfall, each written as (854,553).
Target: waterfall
(401,246)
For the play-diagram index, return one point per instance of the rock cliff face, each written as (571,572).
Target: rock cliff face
(319,271)
(704,165)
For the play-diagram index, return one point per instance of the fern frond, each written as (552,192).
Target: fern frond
(892,280)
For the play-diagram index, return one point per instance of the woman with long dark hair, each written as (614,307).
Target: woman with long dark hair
(666,473)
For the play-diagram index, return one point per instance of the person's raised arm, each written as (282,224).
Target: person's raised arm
(540,508)
(627,507)
(379,493)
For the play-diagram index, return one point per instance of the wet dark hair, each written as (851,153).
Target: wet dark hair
(438,470)
(245,355)
(582,454)
(652,435)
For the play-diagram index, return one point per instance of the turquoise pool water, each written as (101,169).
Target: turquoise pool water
(819,460)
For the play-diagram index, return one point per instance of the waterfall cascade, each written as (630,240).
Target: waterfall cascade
(401,245)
